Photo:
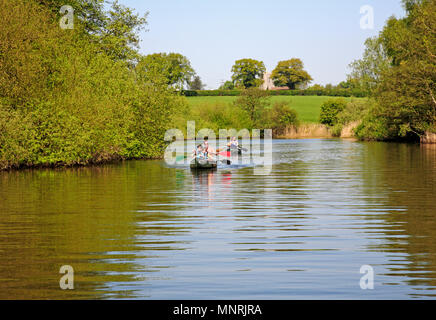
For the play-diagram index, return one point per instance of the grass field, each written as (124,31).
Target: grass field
(307,107)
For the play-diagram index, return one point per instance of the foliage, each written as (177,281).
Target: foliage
(196,84)
(374,126)
(354,111)
(307,107)
(228,85)
(119,36)
(407,93)
(90,13)
(253,101)
(116,31)
(248,73)
(330,110)
(64,101)
(290,73)
(216,116)
(405,90)
(366,72)
(307,92)
(280,116)
(173,69)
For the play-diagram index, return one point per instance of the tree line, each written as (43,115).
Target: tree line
(249,73)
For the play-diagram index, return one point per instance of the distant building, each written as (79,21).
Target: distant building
(268,84)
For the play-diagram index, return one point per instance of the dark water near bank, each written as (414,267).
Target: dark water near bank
(142,230)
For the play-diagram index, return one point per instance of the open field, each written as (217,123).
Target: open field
(307,107)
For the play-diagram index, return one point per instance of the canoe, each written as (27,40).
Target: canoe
(203,164)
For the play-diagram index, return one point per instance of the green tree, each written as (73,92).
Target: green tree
(280,116)
(173,69)
(116,30)
(253,101)
(407,92)
(119,36)
(196,84)
(90,12)
(228,85)
(330,110)
(367,71)
(290,73)
(248,73)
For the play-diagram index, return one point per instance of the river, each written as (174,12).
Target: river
(142,230)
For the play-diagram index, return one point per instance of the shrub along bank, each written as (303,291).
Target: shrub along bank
(64,100)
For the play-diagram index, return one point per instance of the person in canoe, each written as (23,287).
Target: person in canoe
(206,145)
(233,144)
(199,152)
(208,151)
(202,158)
(234,147)
(203,151)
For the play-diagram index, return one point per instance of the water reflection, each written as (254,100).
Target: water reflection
(142,230)
(407,173)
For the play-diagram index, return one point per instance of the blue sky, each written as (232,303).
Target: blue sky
(325,34)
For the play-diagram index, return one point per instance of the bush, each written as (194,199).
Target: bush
(280,116)
(212,93)
(307,92)
(354,111)
(253,101)
(330,110)
(216,116)
(375,126)
(190,93)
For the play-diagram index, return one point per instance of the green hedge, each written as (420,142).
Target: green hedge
(211,93)
(307,92)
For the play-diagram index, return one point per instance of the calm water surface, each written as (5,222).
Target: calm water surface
(142,230)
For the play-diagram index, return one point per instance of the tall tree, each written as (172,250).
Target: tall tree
(290,73)
(90,12)
(196,84)
(119,37)
(253,101)
(173,69)
(407,92)
(248,73)
(367,71)
(116,30)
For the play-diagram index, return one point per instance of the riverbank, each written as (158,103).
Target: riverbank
(316,131)
(428,138)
